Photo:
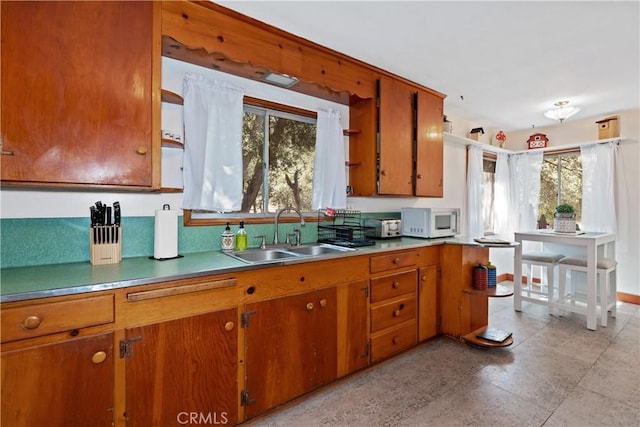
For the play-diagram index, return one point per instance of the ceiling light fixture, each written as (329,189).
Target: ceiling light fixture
(562,112)
(280,79)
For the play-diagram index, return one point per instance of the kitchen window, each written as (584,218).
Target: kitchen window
(560,183)
(278,147)
(489,179)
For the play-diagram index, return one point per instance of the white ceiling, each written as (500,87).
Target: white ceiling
(500,63)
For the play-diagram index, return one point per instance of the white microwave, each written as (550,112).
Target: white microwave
(430,222)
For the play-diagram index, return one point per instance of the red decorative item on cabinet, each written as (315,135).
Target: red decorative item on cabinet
(537,140)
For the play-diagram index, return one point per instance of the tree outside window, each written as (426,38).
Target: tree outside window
(560,183)
(278,153)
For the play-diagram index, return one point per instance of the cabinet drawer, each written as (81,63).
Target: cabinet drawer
(48,318)
(393,286)
(393,313)
(392,261)
(393,341)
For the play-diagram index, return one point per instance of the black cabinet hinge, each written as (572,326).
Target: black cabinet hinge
(244,398)
(244,318)
(366,291)
(126,346)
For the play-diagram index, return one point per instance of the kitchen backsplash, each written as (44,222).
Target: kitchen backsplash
(40,241)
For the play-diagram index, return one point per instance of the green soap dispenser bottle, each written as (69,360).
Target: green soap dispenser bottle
(241,237)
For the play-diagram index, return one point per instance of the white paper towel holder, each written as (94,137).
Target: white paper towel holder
(166,207)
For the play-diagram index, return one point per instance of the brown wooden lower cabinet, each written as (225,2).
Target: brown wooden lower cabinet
(68,383)
(353,327)
(183,367)
(428,315)
(290,348)
(162,354)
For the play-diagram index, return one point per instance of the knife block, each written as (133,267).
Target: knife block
(105,244)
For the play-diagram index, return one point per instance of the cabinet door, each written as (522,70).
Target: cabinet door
(428,302)
(429,146)
(77,93)
(183,366)
(290,346)
(61,384)
(396,137)
(353,327)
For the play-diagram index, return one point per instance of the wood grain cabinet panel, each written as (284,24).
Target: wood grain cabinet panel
(393,261)
(69,383)
(393,341)
(29,320)
(183,365)
(429,146)
(392,313)
(393,285)
(77,94)
(291,347)
(396,137)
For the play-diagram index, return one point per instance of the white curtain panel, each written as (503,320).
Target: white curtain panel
(212,173)
(598,187)
(475,190)
(501,198)
(329,176)
(524,170)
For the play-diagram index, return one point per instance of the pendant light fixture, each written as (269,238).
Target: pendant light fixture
(562,111)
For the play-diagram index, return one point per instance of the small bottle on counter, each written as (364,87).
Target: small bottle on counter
(241,237)
(228,239)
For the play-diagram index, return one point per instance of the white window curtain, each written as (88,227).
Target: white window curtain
(524,174)
(475,192)
(598,187)
(329,176)
(213,144)
(501,198)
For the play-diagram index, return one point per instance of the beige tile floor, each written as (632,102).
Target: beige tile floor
(556,373)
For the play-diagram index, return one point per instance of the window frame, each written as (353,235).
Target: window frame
(558,154)
(281,110)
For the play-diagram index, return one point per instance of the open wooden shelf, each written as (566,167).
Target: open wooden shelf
(171,97)
(170,143)
(473,339)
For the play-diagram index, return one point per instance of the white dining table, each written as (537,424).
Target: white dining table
(594,243)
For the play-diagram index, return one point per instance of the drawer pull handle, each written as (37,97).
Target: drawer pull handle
(98,357)
(395,285)
(395,340)
(142,150)
(229,326)
(396,313)
(309,306)
(323,302)
(31,322)
(396,260)
(424,278)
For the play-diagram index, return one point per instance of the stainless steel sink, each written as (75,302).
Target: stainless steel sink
(255,256)
(315,250)
(262,255)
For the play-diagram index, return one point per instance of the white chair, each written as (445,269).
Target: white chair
(548,261)
(606,289)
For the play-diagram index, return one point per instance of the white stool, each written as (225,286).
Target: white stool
(546,260)
(606,289)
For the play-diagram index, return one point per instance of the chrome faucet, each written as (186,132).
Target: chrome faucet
(276,240)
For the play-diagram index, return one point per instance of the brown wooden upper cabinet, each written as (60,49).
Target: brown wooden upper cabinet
(398,149)
(429,170)
(395,137)
(77,94)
